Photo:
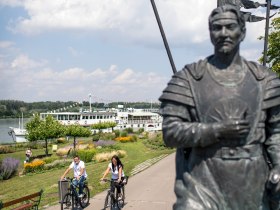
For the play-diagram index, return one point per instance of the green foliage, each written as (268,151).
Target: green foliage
(35,145)
(44,129)
(134,138)
(109,148)
(103,125)
(95,137)
(62,163)
(155,142)
(117,133)
(50,159)
(129,130)
(141,130)
(107,136)
(61,141)
(77,131)
(273,55)
(123,134)
(86,155)
(6,149)
(111,124)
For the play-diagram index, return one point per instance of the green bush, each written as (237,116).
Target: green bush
(129,130)
(134,138)
(35,145)
(95,137)
(20,145)
(6,149)
(58,164)
(117,133)
(107,136)
(50,159)
(86,155)
(123,134)
(109,148)
(155,143)
(61,141)
(140,130)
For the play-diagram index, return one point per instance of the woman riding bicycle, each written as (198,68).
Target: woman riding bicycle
(116,168)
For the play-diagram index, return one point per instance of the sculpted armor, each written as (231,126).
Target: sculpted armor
(222,173)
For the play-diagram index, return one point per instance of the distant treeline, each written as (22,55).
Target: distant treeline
(14,108)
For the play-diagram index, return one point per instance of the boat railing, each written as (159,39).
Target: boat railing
(142,121)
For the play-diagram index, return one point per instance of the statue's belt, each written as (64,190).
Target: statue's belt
(246,151)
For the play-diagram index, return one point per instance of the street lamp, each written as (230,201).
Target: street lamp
(89,95)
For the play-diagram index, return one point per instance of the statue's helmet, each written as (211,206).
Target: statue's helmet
(216,14)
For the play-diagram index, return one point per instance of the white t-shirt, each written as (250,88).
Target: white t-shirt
(115,174)
(78,167)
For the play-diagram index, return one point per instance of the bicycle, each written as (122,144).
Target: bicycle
(72,199)
(113,199)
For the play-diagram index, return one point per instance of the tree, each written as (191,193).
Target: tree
(99,126)
(112,125)
(273,55)
(45,129)
(77,131)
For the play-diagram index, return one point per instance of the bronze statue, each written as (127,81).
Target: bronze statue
(223,116)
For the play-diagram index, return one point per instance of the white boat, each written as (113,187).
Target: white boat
(85,119)
(147,119)
(18,134)
(136,119)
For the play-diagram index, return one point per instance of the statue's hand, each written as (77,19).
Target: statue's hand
(232,129)
(273,183)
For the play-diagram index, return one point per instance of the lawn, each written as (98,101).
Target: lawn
(19,186)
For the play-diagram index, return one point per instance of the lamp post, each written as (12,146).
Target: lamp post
(89,95)
(268,5)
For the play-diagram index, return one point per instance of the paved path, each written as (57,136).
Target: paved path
(149,189)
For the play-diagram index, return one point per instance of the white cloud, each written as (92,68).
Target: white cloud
(32,80)
(184,22)
(6,44)
(133,19)
(11,3)
(24,62)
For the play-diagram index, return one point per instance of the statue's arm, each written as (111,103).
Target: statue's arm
(273,136)
(179,130)
(272,107)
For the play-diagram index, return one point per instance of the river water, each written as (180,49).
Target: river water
(4,128)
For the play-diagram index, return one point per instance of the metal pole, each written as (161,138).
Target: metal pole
(268,5)
(89,102)
(163,37)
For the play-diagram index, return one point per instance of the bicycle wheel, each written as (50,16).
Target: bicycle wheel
(84,201)
(121,198)
(108,201)
(66,202)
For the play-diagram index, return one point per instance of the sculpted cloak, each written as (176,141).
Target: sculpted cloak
(214,173)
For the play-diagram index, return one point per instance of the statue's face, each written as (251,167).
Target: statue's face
(226,33)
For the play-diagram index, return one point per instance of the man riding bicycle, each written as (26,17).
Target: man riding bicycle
(80,174)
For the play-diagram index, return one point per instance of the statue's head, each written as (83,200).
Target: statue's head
(227,28)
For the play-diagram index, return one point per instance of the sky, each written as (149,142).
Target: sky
(66,50)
